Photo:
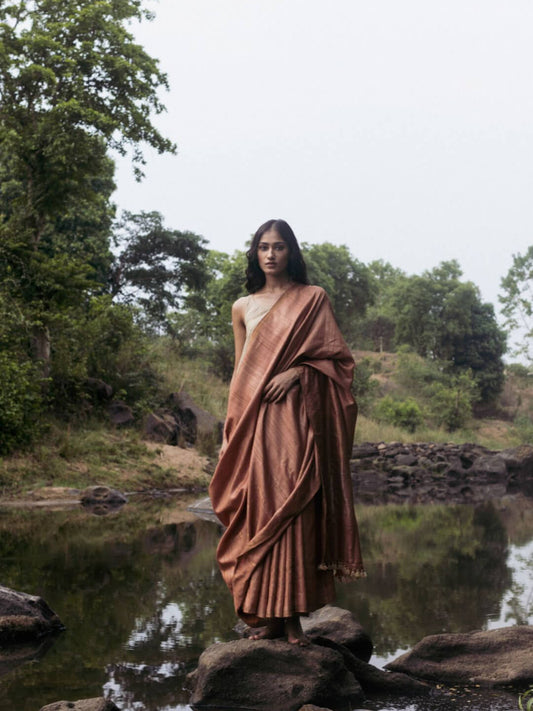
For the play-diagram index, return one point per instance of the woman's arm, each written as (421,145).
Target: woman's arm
(239,334)
(239,328)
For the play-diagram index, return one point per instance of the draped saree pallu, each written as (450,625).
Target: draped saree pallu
(282,486)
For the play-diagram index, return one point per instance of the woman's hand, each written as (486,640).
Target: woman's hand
(280,384)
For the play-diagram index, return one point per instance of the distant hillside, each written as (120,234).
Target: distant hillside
(508,421)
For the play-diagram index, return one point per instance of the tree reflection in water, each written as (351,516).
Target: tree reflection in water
(141,596)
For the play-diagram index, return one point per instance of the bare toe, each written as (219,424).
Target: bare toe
(295,634)
(271,631)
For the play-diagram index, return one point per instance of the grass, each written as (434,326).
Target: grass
(482,432)
(95,453)
(193,375)
(91,455)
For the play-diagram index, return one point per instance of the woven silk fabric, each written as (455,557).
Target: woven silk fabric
(282,486)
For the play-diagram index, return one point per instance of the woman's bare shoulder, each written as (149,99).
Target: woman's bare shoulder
(239,306)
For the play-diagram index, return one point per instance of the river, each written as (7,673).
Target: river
(141,597)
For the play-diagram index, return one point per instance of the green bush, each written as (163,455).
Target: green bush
(401,413)
(20,402)
(103,341)
(364,386)
(523,427)
(451,401)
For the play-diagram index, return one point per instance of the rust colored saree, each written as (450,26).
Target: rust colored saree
(282,485)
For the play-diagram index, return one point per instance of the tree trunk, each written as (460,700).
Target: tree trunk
(40,343)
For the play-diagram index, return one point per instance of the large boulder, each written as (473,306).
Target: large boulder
(195,424)
(340,626)
(490,658)
(161,427)
(25,617)
(272,674)
(120,414)
(98,704)
(101,500)
(374,680)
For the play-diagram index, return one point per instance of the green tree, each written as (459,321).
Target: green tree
(377,329)
(73,83)
(155,266)
(204,326)
(517,301)
(444,319)
(347,281)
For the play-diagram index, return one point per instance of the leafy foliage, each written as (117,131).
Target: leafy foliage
(20,400)
(444,319)
(72,84)
(205,326)
(347,281)
(364,386)
(155,265)
(448,396)
(402,413)
(517,301)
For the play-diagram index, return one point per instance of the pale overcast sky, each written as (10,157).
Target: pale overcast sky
(401,128)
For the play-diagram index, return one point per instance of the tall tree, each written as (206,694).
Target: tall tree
(347,280)
(73,83)
(517,301)
(155,266)
(443,318)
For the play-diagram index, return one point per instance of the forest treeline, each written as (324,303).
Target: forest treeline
(84,291)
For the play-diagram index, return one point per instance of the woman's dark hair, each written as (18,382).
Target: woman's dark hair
(255,277)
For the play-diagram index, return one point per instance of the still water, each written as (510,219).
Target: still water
(141,597)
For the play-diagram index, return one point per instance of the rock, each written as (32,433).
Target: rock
(406,459)
(312,707)
(340,626)
(98,704)
(272,674)
(455,473)
(490,658)
(519,462)
(161,427)
(492,466)
(373,679)
(102,499)
(194,422)
(120,414)
(25,617)
(365,450)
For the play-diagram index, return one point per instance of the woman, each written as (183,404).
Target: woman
(282,485)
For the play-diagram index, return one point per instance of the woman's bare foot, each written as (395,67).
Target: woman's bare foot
(273,630)
(295,633)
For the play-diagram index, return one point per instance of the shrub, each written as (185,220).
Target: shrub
(451,401)
(402,413)
(364,386)
(20,402)
(523,427)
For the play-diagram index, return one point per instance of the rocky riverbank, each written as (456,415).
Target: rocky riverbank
(333,672)
(432,473)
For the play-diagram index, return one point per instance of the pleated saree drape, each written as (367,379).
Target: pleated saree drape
(282,486)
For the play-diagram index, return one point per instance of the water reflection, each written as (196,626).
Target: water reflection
(141,597)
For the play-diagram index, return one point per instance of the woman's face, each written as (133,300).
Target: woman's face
(273,254)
